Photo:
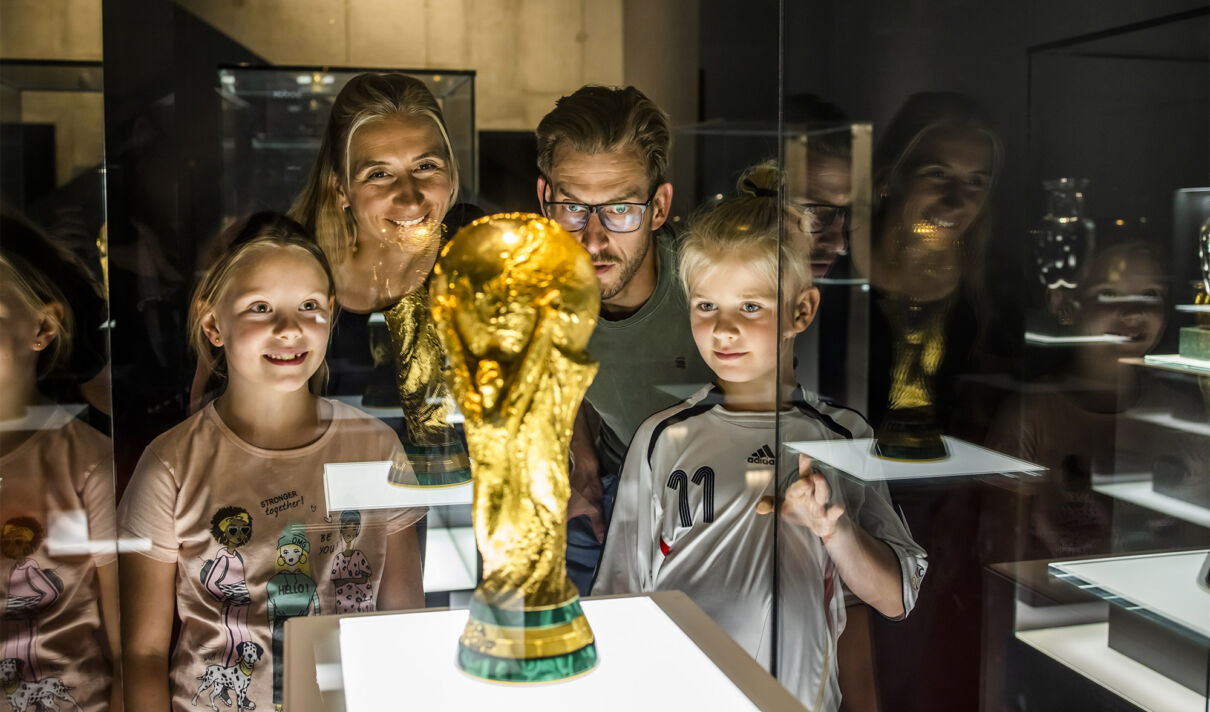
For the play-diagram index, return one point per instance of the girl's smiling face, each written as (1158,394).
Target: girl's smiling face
(272,320)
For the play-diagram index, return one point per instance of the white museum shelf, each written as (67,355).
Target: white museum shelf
(1033,337)
(857,459)
(1085,649)
(1163,586)
(1167,420)
(449,559)
(1141,493)
(364,485)
(1174,362)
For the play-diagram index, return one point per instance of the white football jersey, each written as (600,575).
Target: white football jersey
(686,519)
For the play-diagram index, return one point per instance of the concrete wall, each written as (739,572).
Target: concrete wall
(527,53)
(50,29)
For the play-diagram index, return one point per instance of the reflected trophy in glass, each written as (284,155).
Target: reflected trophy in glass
(911,430)
(434,450)
(515,301)
(1195,340)
(1065,239)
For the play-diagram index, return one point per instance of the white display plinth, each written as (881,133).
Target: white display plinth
(1161,585)
(657,651)
(364,485)
(857,459)
(646,662)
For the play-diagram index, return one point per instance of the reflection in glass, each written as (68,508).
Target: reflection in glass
(934,170)
(58,576)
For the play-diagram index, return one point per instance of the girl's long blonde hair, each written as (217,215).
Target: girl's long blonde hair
(366,98)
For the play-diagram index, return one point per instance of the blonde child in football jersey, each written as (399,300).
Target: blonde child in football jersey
(699,481)
(231,503)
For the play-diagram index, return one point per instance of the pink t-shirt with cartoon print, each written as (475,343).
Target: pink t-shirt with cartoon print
(57,521)
(253,544)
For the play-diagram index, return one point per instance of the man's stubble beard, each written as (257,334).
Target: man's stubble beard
(626,270)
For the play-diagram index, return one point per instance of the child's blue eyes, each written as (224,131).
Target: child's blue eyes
(748,307)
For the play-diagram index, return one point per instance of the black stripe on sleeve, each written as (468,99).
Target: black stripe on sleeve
(800,402)
(712,398)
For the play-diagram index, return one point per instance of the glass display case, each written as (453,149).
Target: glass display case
(864,380)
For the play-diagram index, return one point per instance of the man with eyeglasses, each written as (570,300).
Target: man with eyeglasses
(603,156)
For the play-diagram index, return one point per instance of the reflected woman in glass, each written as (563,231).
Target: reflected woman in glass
(935,167)
(59,570)
(376,199)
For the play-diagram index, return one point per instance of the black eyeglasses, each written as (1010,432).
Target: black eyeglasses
(615,217)
(817,217)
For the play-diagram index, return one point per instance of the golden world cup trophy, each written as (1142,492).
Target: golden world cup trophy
(515,300)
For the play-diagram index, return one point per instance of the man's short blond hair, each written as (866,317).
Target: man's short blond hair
(599,119)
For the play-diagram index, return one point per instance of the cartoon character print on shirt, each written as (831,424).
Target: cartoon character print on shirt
(31,591)
(351,569)
(224,577)
(291,593)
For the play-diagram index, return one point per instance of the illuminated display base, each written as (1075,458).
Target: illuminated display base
(656,651)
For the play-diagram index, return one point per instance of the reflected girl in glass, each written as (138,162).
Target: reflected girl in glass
(59,568)
(376,199)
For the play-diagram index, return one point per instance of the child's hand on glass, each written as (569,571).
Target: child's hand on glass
(806,503)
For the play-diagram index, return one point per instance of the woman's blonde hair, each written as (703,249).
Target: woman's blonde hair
(748,225)
(244,237)
(32,265)
(366,98)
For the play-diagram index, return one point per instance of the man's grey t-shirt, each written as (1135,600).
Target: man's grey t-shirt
(648,360)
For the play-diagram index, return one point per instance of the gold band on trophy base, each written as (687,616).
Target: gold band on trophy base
(515,301)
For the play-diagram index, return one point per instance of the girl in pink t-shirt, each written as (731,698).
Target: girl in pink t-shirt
(230,502)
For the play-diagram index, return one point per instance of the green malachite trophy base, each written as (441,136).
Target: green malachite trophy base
(1195,342)
(436,465)
(552,669)
(525,629)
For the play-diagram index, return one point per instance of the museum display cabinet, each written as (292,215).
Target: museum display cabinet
(915,412)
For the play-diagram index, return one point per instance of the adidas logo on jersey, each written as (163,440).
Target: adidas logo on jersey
(763,456)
